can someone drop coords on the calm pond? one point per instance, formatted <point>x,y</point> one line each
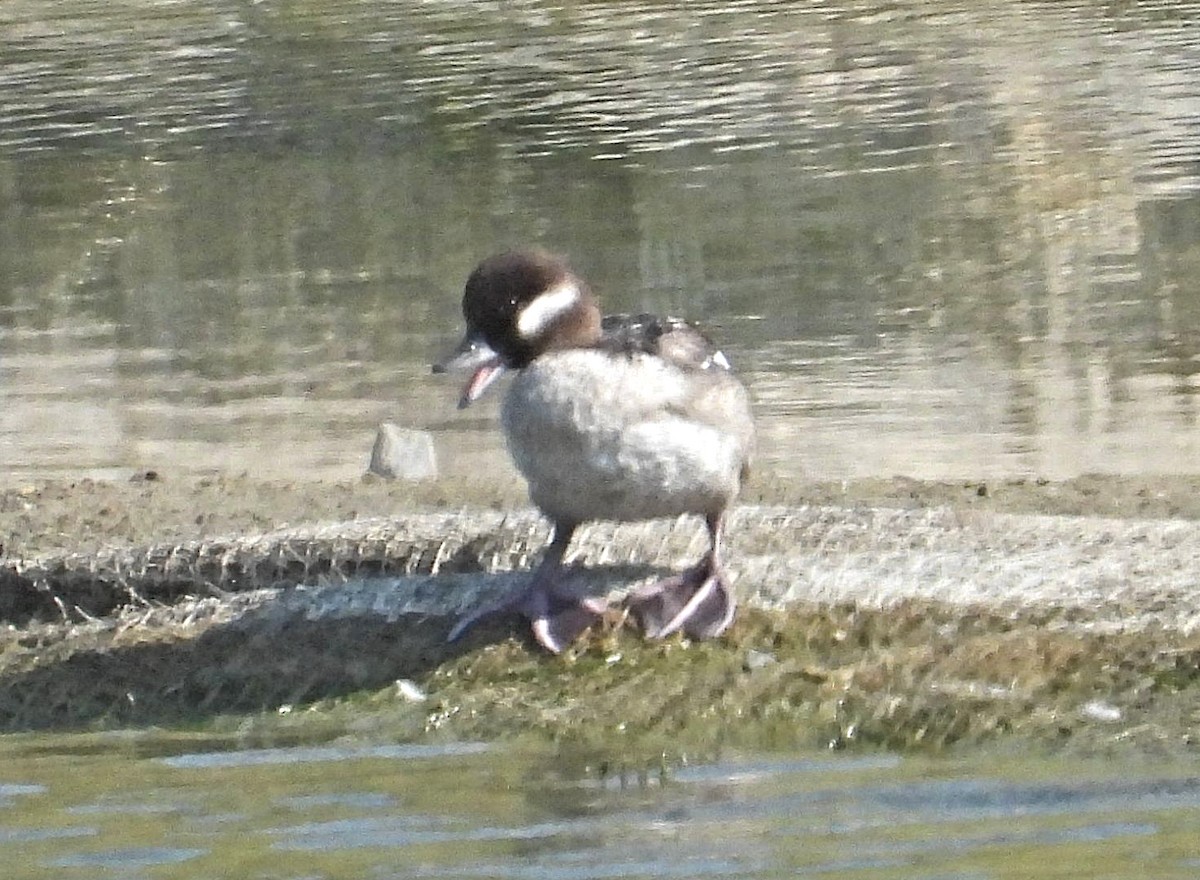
<point>944,239</point>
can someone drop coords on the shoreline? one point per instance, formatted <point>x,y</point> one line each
<point>905,615</point>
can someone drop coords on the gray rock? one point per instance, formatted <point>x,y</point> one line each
<point>400,453</point>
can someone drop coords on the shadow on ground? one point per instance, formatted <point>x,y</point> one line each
<point>260,662</point>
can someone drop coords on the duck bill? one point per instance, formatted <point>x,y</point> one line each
<point>477,356</point>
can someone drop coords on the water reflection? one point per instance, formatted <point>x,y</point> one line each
<point>941,239</point>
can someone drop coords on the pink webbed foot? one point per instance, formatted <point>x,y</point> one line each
<point>558,613</point>
<point>558,610</point>
<point>698,602</point>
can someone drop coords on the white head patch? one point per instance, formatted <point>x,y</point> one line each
<point>546,307</point>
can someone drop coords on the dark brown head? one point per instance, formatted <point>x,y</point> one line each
<point>518,305</point>
<point>524,302</point>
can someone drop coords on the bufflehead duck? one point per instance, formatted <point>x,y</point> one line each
<point>617,418</point>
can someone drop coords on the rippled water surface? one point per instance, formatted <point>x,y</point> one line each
<point>939,238</point>
<point>126,805</point>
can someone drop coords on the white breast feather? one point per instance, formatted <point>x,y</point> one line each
<point>603,437</point>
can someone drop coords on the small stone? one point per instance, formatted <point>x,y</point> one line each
<point>758,660</point>
<point>400,453</point>
<point>409,690</point>
<point>1098,710</point>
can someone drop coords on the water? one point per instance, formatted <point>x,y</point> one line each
<point>144,805</point>
<point>941,239</point>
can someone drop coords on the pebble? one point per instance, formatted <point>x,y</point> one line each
<point>409,690</point>
<point>401,453</point>
<point>1098,710</point>
<point>758,660</point>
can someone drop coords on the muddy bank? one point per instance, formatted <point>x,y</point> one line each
<point>79,516</point>
<point>889,612</point>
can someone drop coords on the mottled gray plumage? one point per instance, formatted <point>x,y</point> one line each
<point>626,437</point>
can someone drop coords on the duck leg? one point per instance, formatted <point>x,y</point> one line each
<point>558,611</point>
<point>697,601</point>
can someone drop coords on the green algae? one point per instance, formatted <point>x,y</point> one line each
<point>918,676</point>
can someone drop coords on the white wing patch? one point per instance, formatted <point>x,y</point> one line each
<point>546,307</point>
<point>717,359</point>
